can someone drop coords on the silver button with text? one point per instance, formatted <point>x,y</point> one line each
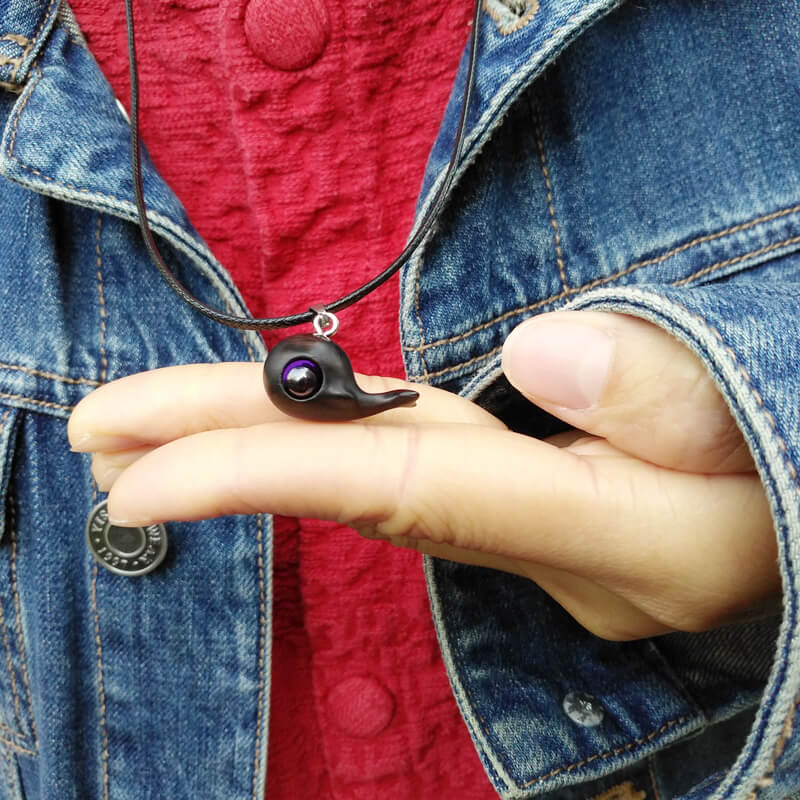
<point>126,551</point>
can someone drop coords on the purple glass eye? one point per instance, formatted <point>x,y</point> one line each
<point>301,378</point>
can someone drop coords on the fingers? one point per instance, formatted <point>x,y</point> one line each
<point>107,467</point>
<point>682,551</point>
<point>628,381</point>
<point>433,481</point>
<point>164,404</point>
<point>155,407</point>
<point>603,612</point>
<point>470,487</point>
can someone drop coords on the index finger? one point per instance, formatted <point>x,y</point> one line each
<point>152,408</point>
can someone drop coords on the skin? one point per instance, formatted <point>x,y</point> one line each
<point>649,518</point>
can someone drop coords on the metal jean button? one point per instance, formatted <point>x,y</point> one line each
<point>583,709</point>
<point>126,551</point>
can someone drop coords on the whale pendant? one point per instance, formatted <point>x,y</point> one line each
<point>310,377</point>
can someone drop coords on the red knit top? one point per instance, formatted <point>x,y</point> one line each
<point>295,132</point>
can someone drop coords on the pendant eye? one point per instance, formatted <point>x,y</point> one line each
<point>301,378</point>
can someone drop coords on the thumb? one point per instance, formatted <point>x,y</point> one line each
<point>630,382</point>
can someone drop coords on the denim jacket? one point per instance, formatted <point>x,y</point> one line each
<point>639,157</point>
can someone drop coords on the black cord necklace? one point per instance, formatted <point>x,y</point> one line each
<point>306,375</point>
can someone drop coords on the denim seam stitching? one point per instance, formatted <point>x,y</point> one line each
<point>12,143</point>
<point>26,46</point>
<point>766,780</point>
<point>704,271</point>
<point>553,221</point>
<point>45,403</point>
<point>486,119</point>
<point>463,364</point>
<point>738,228</point>
<point>102,299</point>
<point>756,394</point>
<point>611,753</point>
<point>63,184</point>
<point>631,746</point>
<point>262,632</point>
<point>18,748</point>
<point>421,325</point>
<point>42,23</point>
<point>49,375</point>
<point>101,693</point>
<point>9,732</point>
<point>742,371</point>
<point>500,755</point>
<point>6,61</point>
<point>730,261</point>
<point>33,42</point>
<point>20,637</point>
<point>10,666</point>
<point>493,761</point>
<point>19,61</point>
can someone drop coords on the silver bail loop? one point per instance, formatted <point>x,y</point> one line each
<point>325,323</point>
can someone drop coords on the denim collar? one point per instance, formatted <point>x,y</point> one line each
<point>24,27</point>
<point>63,92</point>
<point>49,143</point>
<point>510,56</point>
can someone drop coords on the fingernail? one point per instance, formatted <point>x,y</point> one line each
<point>124,517</point>
<point>84,443</point>
<point>559,362</point>
<point>105,479</point>
<point>98,442</point>
<point>123,523</point>
<point>125,520</point>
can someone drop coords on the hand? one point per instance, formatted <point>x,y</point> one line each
<point>652,521</point>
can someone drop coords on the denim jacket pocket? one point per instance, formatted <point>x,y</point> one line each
<point>727,251</point>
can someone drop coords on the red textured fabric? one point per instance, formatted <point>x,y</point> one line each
<point>299,160</point>
<point>287,34</point>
